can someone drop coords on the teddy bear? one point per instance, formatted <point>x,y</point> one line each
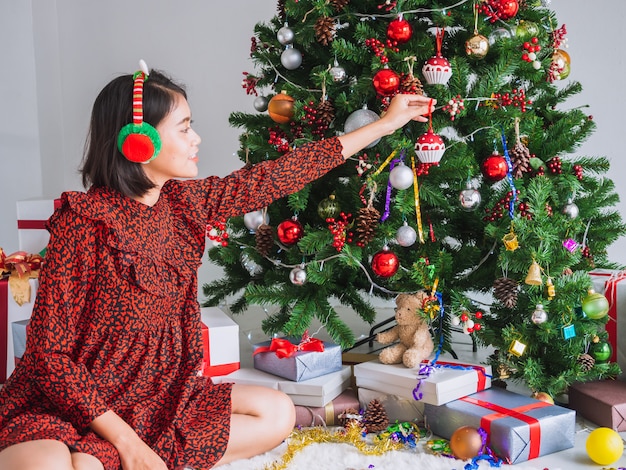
<point>412,331</point>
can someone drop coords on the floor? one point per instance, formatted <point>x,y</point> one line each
<point>571,459</point>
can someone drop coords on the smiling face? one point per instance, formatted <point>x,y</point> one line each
<point>178,157</point>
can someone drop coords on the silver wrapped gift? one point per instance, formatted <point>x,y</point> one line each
<point>519,428</point>
<point>299,364</point>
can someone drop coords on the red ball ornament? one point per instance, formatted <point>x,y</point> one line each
<point>386,82</point>
<point>399,30</point>
<point>494,167</point>
<point>507,9</point>
<point>290,231</point>
<point>385,263</point>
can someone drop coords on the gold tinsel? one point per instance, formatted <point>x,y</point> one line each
<point>300,438</point>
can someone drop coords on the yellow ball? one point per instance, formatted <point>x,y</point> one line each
<point>604,446</point>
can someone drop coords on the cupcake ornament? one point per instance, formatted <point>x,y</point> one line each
<point>437,69</point>
<point>430,147</point>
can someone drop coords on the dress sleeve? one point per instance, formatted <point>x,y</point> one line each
<point>254,187</point>
<point>65,281</point>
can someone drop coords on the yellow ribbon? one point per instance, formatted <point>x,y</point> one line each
<point>418,211</point>
<point>385,163</point>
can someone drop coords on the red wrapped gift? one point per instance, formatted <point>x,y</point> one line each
<point>327,415</point>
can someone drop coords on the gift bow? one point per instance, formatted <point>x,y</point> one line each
<point>19,267</point>
<point>285,348</point>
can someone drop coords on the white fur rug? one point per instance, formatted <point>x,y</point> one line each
<point>347,457</point>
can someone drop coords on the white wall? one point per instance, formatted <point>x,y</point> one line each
<point>57,55</point>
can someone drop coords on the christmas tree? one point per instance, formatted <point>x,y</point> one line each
<point>487,208</point>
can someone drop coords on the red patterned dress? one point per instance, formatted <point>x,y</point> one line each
<point>116,323</point>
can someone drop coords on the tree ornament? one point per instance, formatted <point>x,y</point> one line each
<point>291,58</point>
<point>366,224</point>
<point>477,46</point>
<point>375,417</point>
<point>264,238</point>
<point>437,69</point>
<point>571,210</point>
<point>539,315</point>
<point>401,176</point>
<point>297,275</point>
<point>253,219</point>
<point>260,103</point>
<point>406,235</point>
<point>359,118</point>
<point>250,265</point>
<point>569,331</point>
<point>385,263</point>
<point>339,5</point>
<point>325,30</point>
<point>217,233</point>
<point>386,82</point>
<point>469,198</point>
<point>517,348</point>
<point>601,350</point>
<point>281,108</point>
<point>508,9</point>
<point>290,231</point>
<point>466,443</point>
<point>430,147</point>
<point>604,446</point>
<point>595,305</point>
<point>533,278</point>
<point>519,154</point>
<point>285,35</point>
<point>561,62</point>
<point>399,31</point>
<point>499,34</point>
<point>526,29</point>
<point>328,208</point>
<point>338,73</point>
<point>494,167</point>
<point>550,289</point>
<point>586,362</point>
<point>506,290</point>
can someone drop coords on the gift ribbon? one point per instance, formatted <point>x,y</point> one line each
<point>4,326</point>
<point>20,263</point>
<point>610,292</point>
<point>285,348</point>
<point>517,413</point>
<point>416,195</point>
<point>427,369</point>
<point>392,165</point>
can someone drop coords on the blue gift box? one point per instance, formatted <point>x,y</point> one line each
<point>300,364</point>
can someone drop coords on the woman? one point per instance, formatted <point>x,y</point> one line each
<point>109,378</point>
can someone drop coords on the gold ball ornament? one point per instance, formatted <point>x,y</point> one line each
<point>563,62</point>
<point>604,446</point>
<point>466,442</point>
<point>477,46</point>
<point>281,108</point>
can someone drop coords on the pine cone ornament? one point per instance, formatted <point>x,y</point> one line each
<point>520,160</point>
<point>409,83</point>
<point>375,417</point>
<point>280,8</point>
<point>366,224</point>
<point>324,30</point>
<point>325,112</point>
<point>505,290</point>
<point>586,362</point>
<point>339,5</point>
<point>349,416</point>
<point>264,237</point>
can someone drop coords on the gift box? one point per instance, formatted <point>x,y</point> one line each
<point>436,384</point>
<point>297,360</point>
<point>19,330</point>
<point>397,408</point>
<point>317,391</point>
<point>327,415</point>
<point>519,428</point>
<point>611,283</point>
<point>10,312</point>
<point>32,216</point>
<point>602,402</point>
<point>220,342</point>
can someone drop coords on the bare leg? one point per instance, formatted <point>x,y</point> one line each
<point>262,418</point>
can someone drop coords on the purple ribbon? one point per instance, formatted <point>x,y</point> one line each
<point>388,195</point>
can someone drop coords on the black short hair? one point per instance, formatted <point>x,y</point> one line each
<point>103,164</point>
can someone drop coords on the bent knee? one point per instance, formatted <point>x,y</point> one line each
<point>44,454</point>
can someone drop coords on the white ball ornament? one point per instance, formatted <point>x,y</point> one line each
<point>536,65</point>
<point>406,235</point>
<point>401,177</point>
<point>291,58</point>
<point>285,35</point>
<point>252,220</point>
<point>456,321</point>
<point>360,118</point>
<point>297,276</point>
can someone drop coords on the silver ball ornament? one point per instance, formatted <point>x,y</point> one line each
<point>338,73</point>
<point>291,58</point>
<point>297,276</point>
<point>360,118</point>
<point>470,198</point>
<point>539,316</point>
<point>499,34</point>
<point>285,35</point>
<point>250,265</point>
<point>571,209</point>
<point>401,177</point>
<point>406,235</point>
<point>260,103</point>
<point>252,220</point>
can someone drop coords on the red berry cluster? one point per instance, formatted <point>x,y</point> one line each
<point>318,126</point>
<point>555,165</point>
<point>558,37</point>
<point>253,45</point>
<point>422,169</point>
<point>516,98</point>
<point>578,171</point>
<point>378,48</point>
<point>500,208</point>
<point>249,84</point>
<point>549,210</point>
<point>217,232</point>
<point>524,210</point>
<point>554,72</point>
<point>454,107</point>
<point>388,5</point>
<point>476,326</point>
<point>338,227</point>
<point>279,139</point>
<point>531,47</point>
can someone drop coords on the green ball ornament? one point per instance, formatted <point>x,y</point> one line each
<point>601,351</point>
<point>595,305</point>
<point>328,208</point>
<point>526,29</point>
<point>604,446</point>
